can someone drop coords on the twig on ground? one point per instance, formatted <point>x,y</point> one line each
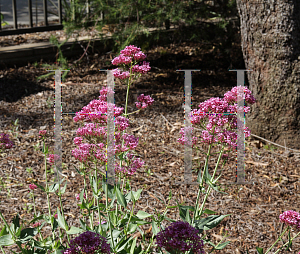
<point>273,143</point>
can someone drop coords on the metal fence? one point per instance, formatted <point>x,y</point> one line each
<point>47,26</point>
<point>34,29</point>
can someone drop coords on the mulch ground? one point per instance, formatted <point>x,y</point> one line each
<point>254,208</point>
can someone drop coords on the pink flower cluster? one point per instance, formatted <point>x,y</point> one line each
<point>218,113</point>
<point>42,133</point>
<point>84,196</point>
<point>290,218</point>
<point>32,186</point>
<point>95,131</point>
<point>52,157</point>
<point>131,168</point>
<point>144,68</point>
<point>36,224</point>
<point>232,96</point>
<point>5,143</point>
<point>102,222</point>
<point>55,216</point>
<point>126,58</point>
<point>121,74</point>
<point>145,100</point>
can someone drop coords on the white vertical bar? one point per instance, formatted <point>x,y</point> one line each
<point>110,173</point>
<point>58,124</point>
<point>188,153</point>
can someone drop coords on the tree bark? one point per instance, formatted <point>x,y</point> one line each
<point>270,36</point>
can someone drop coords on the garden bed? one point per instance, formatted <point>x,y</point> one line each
<point>254,208</point>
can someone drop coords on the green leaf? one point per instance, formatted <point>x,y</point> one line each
<point>260,250</point>
<point>6,240</point>
<point>61,221</point>
<point>120,198</point>
<point>132,228</point>
<point>83,225</point>
<point>27,234</point>
<point>213,186</point>
<point>81,197</point>
<point>110,189</point>
<point>74,230</point>
<point>62,191</point>
<point>95,186</point>
<point>143,215</point>
<point>137,194</point>
<point>155,228</point>
<point>133,246</point>
<point>209,222</point>
<point>53,187</point>
<point>184,212</point>
<point>16,223</point>
<point>41,187</point>
<point>222,245</point>
<point>207,211</point>
<point>81,173</point>
<point>4,231</point>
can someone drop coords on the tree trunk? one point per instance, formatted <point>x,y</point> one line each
<point>270,39</point>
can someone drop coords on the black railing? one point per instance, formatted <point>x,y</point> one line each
<point>32,29</point>
<point>46,27</point>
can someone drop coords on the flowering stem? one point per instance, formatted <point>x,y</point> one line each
<point>98,204</point>
<point>109,222</point>
<point>49,209</point>
<point>85,198</point>
<point>279,239</point>
<point>131,213</point>
<point>217,163</point>
<point>209,187</point>
<point>201,183</point>
<point>62,210</point>
<point>36,216</point>
<point>126,102</point>
<point>150,244</point>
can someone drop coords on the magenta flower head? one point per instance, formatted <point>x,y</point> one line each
<point>55,216</point>
<point>77,197</point>
<point>32,186</point>
<point>36,224</point>
<point>290,218</point>
<point>52,157</point>
<point>174,238</point>
<point>131,55</point>
<point>144,101</point>
<point>232,96</point>
<point>5,143</point>
<point>88,242</point>
<point>42,133</point>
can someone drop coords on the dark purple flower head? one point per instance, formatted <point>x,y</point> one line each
<point>88,243</point>
<point>179,237</point>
